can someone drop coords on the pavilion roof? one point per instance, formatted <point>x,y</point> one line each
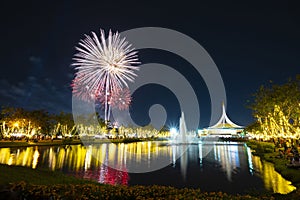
<point>224,121</point>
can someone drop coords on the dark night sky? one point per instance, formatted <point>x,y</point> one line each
<point>251,43</point>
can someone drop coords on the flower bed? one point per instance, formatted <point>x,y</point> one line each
<point>93,191</point>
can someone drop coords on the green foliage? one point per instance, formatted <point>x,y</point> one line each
<point>11,174</point>
<point>277,109</point>
<point>64,119</point>
<point>261,147</point>
<point>40,120</point>
<point>27,120</point>
<point>255,126</point>
<point>93,191</point>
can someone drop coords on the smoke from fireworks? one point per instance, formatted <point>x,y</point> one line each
<point>103,66</point>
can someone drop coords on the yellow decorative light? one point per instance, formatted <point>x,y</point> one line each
<point>16,124</point>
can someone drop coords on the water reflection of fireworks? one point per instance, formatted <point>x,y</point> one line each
<point>105,175</point>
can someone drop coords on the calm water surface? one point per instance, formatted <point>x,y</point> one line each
<point>218,166</point>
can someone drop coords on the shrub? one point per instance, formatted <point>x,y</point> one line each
<point>96,191</point>
<point>67,141</point>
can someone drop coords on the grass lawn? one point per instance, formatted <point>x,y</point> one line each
<point>10,174</point>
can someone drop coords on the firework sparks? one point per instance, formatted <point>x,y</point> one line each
<point>81,91</point>
<point>121,99</point>
<point>104,65</point>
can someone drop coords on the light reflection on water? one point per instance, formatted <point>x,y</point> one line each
<point>273,181</point>
<point>86,161</point>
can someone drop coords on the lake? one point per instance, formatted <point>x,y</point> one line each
<point>213,166</point>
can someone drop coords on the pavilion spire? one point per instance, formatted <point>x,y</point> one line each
<point>224,121</point>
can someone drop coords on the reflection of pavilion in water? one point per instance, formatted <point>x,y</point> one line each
<point>232,159</point>
<point>227,156</point>
<point>229,159</point>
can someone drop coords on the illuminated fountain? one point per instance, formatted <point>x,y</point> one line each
<point>182,136</point>
<point>182,129</point>
<point>183,139</point>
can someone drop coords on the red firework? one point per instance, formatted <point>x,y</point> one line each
<point>100,97</point>
<point>120,98</point>
<point>84,92</point>
<point>81,91</point>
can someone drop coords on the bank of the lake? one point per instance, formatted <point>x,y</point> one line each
<point>268,152</point>
<point>23,143</point>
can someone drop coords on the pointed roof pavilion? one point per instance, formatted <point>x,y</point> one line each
<point>224,122</point>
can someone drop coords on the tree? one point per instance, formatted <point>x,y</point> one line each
<point>41,121</point>
<point>64,124</point>
<point>277,109</point>
<point>19,120</point>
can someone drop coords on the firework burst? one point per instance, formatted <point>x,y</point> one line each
<point>120,99</point>
<point>81,91</point>
<point>103,65</point>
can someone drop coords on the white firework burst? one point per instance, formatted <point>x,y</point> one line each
<point>105,64</point>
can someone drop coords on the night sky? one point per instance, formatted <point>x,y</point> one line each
<point>251,43</point>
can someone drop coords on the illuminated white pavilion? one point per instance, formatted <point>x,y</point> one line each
<point>224,127</point>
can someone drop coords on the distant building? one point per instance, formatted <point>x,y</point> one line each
<point>224,127</point>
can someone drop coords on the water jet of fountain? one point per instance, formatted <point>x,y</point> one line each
<point>182,129</point>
